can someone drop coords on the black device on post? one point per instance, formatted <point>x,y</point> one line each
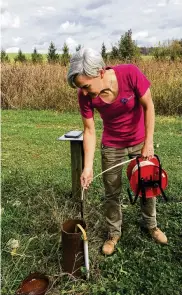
<point>73,134</point>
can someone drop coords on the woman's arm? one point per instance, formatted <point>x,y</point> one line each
<point>149,116</point>
<point>89,142</point>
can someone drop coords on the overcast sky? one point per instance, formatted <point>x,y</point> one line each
<point>27,24</point>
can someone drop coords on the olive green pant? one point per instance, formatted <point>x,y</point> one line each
<point>113,184</point>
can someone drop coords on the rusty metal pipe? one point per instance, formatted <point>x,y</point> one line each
<point>72,247</point>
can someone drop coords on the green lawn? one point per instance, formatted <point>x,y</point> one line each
<point>28,56</point>
<point>36,186</point>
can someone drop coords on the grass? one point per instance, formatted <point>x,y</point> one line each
<point>36,187</point>
<point>28,56</point>
<point>41,87</point>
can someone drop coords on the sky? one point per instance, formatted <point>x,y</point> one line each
<point>26,24</point>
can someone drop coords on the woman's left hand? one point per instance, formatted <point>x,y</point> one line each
<point>147,151</point>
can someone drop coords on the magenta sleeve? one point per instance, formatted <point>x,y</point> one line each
<point>138,81</point>
<point>85,104</point>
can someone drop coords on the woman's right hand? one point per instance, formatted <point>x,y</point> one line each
<point>86,177</point>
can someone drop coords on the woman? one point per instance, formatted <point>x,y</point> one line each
<point>122,96</point>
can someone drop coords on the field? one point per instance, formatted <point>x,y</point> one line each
<point>28,56</point>
<point>45,86</point>
<point>36,187</point>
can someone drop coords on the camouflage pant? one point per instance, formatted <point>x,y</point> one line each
<point>112,183</point>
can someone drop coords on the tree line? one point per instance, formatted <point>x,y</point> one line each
<point>125,49</point>
<point>52,56</point>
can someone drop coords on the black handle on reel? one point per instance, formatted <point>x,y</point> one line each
<point>132,200</point>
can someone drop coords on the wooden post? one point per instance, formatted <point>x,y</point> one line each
<point>77,163</point>
<point>76,167</point>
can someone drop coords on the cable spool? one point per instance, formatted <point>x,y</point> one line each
<point>146,177</point>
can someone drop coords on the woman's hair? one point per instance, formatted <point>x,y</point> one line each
<point>87,62</point>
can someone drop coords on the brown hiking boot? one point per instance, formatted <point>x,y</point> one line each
<point>158,235</point>
<point>109,245</point>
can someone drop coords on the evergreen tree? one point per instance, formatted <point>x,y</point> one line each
<point>52,56</point>
<point>103,51</point>
<point>78,47</point>
<point>127,47</point>
<point>65,55</point>
<point>20,57</point>
<point>4,56</point>
<point>114,52</point>
<point>36,57</point>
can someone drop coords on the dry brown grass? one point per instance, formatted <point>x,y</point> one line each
<point>45,86</point>
<point>166,79</point>
<point>36,87</point>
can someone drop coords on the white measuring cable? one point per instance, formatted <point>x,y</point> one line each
<point>86,254</point>
<point>120,164</point>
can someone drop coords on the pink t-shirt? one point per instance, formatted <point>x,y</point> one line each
<point>123,119</point>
